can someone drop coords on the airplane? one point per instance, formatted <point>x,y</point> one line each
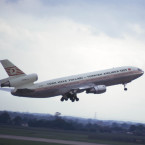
<point>21,84</point>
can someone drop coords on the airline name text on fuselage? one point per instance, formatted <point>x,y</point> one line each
<point>88,76</point>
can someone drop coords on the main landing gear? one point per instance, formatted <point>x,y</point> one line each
<point>72,97</point>
<point>125,89</point>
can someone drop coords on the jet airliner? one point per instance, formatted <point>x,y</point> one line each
<point>21,84</point>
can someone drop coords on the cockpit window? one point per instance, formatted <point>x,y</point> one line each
<point>139,69</point>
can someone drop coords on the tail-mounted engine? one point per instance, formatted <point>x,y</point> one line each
<point>97,89</point>
<point>20,81</point>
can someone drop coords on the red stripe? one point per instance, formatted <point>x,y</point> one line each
<point>10,67</point>
<point>14,74</point>
<point>17,71</point>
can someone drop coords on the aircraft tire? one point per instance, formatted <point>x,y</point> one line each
<point>72,99</point>
<point>125,89</point>
<point>65,99</point>
<point>62,99</point>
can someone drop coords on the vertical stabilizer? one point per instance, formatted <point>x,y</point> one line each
<point>11,69</point>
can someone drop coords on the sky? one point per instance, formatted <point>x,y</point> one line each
<point>67,37</point>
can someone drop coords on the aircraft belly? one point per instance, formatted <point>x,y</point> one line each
<point>46,93</point>
<point>49,92</point>
<point>43,93</point>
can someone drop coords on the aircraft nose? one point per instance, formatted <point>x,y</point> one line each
<point>141,71</point>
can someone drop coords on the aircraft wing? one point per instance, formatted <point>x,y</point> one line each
<point>86,87</point>
<point>81,89</point>
<point>90,88</point>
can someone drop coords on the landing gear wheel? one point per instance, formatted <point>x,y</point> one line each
<point>72,100</point>
<point>125,89</point>
<point>65,99</point>
<point>62,99</point>
<point>70,95</point>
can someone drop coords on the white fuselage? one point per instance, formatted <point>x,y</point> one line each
<point>61,86</point>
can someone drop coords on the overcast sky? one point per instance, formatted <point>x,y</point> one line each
<point>66,37</point>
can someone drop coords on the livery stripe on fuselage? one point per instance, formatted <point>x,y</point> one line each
<point>97,80</point>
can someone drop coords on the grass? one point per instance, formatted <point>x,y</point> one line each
<point>54,134</point>
<point>22,142</point>
<point>43,133</point>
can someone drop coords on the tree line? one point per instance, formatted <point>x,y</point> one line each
<point>68,124</point>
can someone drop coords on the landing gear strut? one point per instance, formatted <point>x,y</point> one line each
<point>74,98</point>
<point>125,89</point>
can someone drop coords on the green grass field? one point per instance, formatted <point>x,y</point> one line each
<point>50,134</point>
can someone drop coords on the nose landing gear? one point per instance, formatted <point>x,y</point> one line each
<point>125,89</point>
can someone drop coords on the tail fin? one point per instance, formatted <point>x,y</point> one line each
<point>11,69</point>
<point>17,78</point>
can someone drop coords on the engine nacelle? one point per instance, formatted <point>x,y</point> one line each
<point>20,81</point>
<point>97,89</point>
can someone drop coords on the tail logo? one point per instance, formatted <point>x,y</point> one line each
<point>12,71</point>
